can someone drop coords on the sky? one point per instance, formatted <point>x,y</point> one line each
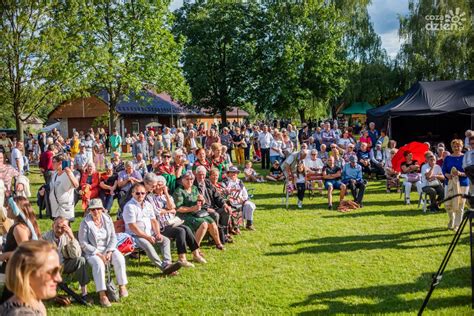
<point>384,16</point>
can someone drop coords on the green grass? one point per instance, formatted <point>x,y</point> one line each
<point>376,260</point>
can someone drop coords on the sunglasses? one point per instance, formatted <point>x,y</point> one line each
<point>55,271</point>
<point>166,156</point>
<point>140,193</point>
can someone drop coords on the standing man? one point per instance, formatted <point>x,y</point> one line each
<point>62,185</point>
<point>140,147</point>
<point>265,138</point>
<point>373,133</point>
<point>115,142</point>
<point>226,140</point>
<point>46,163</point>
<point>17,160</point>
<point>5,145</point>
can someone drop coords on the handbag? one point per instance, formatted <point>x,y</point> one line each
<point>433,183</point>
<point>111,288</point>
<point>175,222</point>
<point>201,213</point>
<point>243,145</point>
<point>413,177</point>
<point>126,246</point>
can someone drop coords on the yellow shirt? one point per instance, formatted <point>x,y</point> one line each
<point>75,147</point>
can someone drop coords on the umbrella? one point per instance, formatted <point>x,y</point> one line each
<point>418,150</point>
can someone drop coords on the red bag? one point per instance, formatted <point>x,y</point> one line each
<point>126,246</point>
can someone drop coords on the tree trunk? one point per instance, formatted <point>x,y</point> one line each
<point>223,118</point>
<point>301,112</point>
<point>111,118</point>
<point>18,121</point>
<point>112,104</point>
<point>19,128</point>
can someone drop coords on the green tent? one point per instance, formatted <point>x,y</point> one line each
<point>357,108</point>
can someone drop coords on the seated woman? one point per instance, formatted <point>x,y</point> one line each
<point>348,153</point>
<point>117,163</point>
<point>18,233</point>
<point>365,139</point>
<point>217,160</point>
<point>108,185</point>
<point>171,226</point>
<point>392,176</point>
<point>411,173</point>
<point>201,160</point>
<point>32,275</point>
<point>314,170</point>
<point>167,170</point>
<point>89,184</point>
<point>239,196</point>
<point>336,153</point>
<point>226,157</point>
<point>276,173</point>
<point>214,180</point>
<point>189,206</point>
<point>99,246</point>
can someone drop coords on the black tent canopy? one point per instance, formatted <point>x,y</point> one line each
<point>428,111</point>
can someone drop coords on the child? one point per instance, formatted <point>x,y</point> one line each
<point>300,182</point>
<point>276,174</point>
<point>250,173</point>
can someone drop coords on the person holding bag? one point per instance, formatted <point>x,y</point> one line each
<point>172,226</point>
<point>99,245</point>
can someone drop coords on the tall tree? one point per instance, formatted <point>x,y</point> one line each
<point>301,56</point>
<point>371,73</point>
<point>133,48</point>
<point>38,55</point>
<point>438,40</point>
<point>217,58</point>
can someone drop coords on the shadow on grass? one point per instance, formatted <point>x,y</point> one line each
<point>389,298</point>
<point>363,242</point>
<point>397,213</point>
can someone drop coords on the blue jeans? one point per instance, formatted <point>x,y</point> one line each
<point>107,200</point>
<point>274,158</point>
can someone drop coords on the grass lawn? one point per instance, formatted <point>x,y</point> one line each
<point>376,260</point>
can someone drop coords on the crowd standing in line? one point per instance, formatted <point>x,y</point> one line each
<point>182,184</point>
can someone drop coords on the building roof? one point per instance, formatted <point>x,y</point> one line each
<point>148,102</point>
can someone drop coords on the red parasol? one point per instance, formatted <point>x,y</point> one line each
<point>418,150</point>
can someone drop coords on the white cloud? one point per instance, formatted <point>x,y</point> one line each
<point>384,16</point>
<point>176,4</point>
<point>391,42</point>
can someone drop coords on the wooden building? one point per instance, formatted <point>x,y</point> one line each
<point>135,113</point>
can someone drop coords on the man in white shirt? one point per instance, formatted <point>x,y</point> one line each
<point>62,185</point>
<point>431,179</point>
<point>141,223</point>
<point>17,157</point>
<point>264,140</point>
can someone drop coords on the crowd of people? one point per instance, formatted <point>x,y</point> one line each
<point>181,185</point>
